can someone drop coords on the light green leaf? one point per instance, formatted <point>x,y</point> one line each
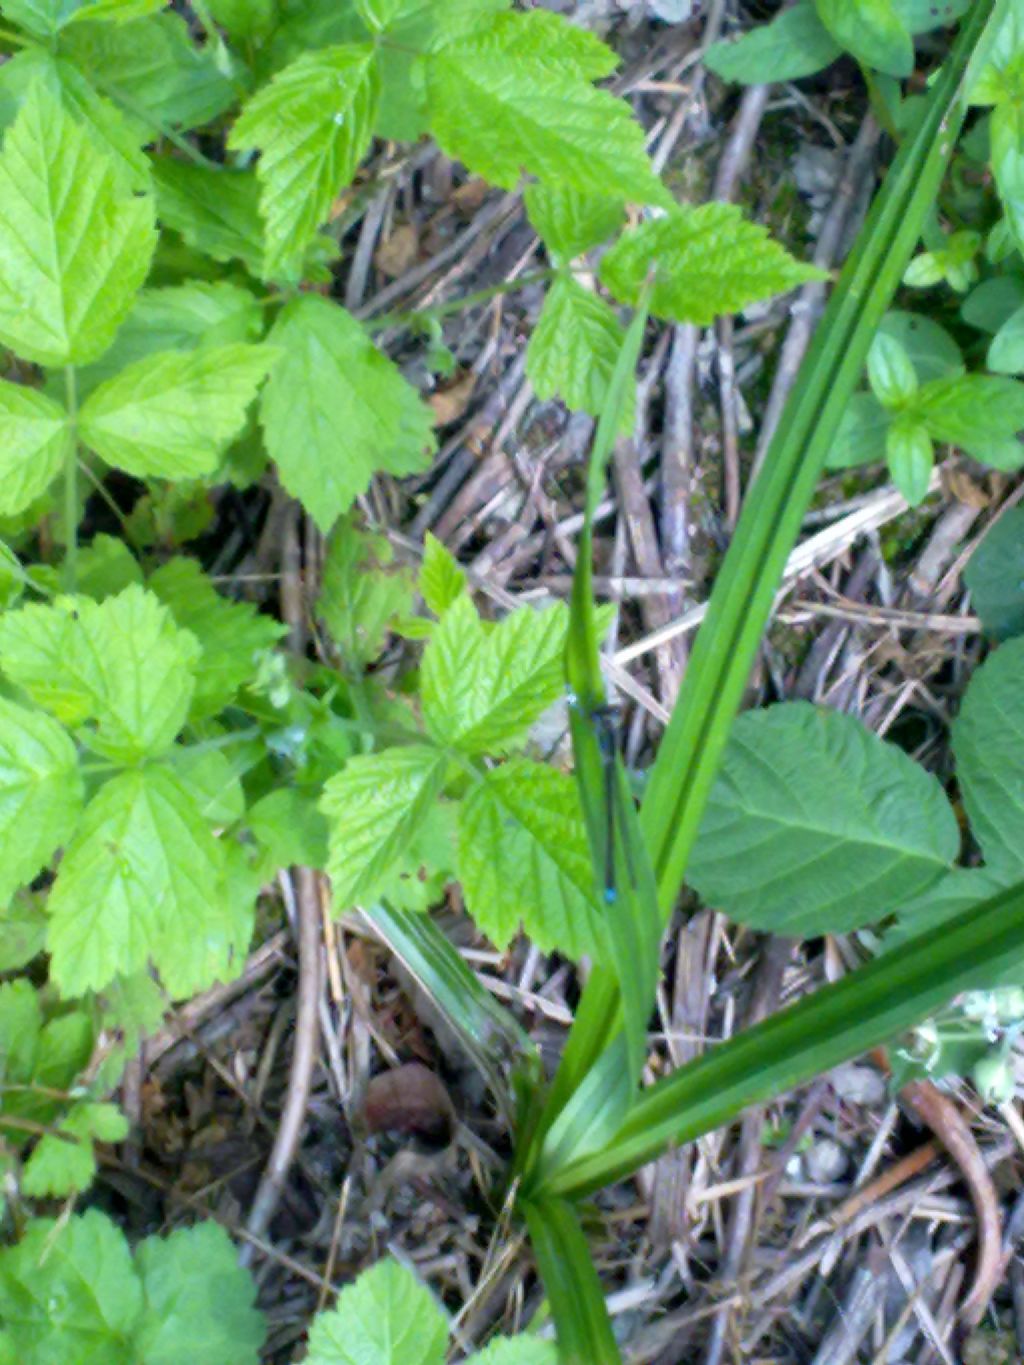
<point>335,410</point>
<point>515,99</point>
<point>483,688</point>
<point>988,744</point>
<point>65,1046</point>
<point>40,794</point>
<point>995,576</point>
<point>523,860</point>
<point>980,413</point>
<point>570,223</point>
<point>290,827</point>
<point>363,592</point>
<point>862,433</point>
<point>152,70</point>
<point>20,1021</point>
<point>386,1318</point>
<point>100,118</point>
<point>35,440</point>
<point>1006,353</point>
<point>707,261</point>
<point>574,347</point>
<point>69,1293</point>
<point>141,881</point>
<point>75,243</point>
<point>106,567</point>
<point>522,1350</point>
<point>540,35</point>
<point>173,414</point>
<point>311,125</point>
<point>199,1302</point>
<point>244,20</point>
<point>44,18</point>
<point>908,448</point>
<point>115,11</point>
<point>213,782</point>
<point>816,826</point>
<point>35,654</point>
<point>872,31</point>
<point>64,1162</point>
<point>374,807</point>
<point>796,43</point>
<point>441,581</point>
<point>891,372</point>
<point>217,212</point>
<point>232,635</point>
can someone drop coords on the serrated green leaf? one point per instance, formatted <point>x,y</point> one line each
<point>22,932</point>
<point>363,593</point>
<point>142,880</point>
<point>482,689</point>
<point>213,782</point>
<point>64,1162</point>
<point>374,807</point>
<point>217,212</point>
<point>35,439</point>
<point>515,99</point>
<point>75,243</point>
<point>707,261</point>
<point>40,794</point>
<point>796,43</point>
<point>106,567</point>
<point>980,413</point>
<point>523,860</point>
<point>232,635</point>
<point>35,651</point>
<point>426,864</point>
<point>335,410</point>
<point>872,31</point>
<point>816,826</point>
<point>69,1293</point>
<point>311,125</point>
<point>540,34</point>
<point>995,576</point>
<point>988,744</point>
<point>290,827</point>
<point>386,1317</point>
<point>908,448</point>
<point>570,223</point>
<point>20,1021</point>
<point>65,1045</point>
<point>522,1350</point>
<point>173,414</point>
<point>574,347</point>
<point>100,118</point>
<point>199,1302</point>
<point>862,433</point>
<point>152,71</point>
<point>441,581</point>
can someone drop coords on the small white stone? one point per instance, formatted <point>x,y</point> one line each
<point>826,1161</point>
<point>858,1084</point>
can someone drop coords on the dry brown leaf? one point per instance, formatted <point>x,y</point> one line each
<point>450,403</point>
<point>398,252</point>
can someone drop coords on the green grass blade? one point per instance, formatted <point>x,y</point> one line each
<point>573,1289</point>
<point>869,1006</point>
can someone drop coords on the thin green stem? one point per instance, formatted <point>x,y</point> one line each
<point>70,572</point>
<point>440,310</point>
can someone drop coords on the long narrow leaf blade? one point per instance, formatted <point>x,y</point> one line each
<point>573,1289</point>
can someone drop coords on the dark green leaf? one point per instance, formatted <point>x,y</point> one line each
<point>995,576</point>
<point>796,43</point>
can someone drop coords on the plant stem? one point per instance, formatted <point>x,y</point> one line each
<point>70,573</point>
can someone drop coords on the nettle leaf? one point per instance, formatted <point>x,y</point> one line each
<point>707,261</point>
<point>570,223</point>
<point>199,1302</point>
<point>386,1317</point>
<point>374,806</point>
<point>231,635</point>
<point>35,440</point>
<point>995,576</point>
<point>483,687</point>
<point>988,744</point>
<point>173,414</point>
<point>523,1350</point>
<point>980,413</point>
<point>40,794</point>
<point>69,1293</point>
<point>216,212</point>
<point>106,567</point>
<point>441,581</point>
<point>152,71</point>
<point>816,826</point>
<point>872,31</point>
<point>141,881</point>
<point>64,1162</point>
<point>574,348</point>
<point>311,125</point>
<point>362,593</point>
<point>75,243</point>
<point>796,43</point>
<point>524,861</point>
<point>335,410</point>
<point>517,98</point>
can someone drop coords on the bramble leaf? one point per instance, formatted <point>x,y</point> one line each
<point>231,635</point>
<point>574,347</point>
<point>35,651</point>
<point>816,826</point>
<point>988,744</point>
<point>217,212</point>
<point>441,581</point>
<point>311,125</point>
<point>199,1302</point>
<point>40,794</point>
<point>172,415</point>
<point>64,1161</point>
<point>570,223</point>
<point>386,1317</point>
<point>872,31</point>
<point>374,807</point>
<point>363,593</point>
<point>106,567</point>
<point>75,243</point>
<point>707,261</point>
<point>35,439</point>
<point>521,1350</point>
<point>335,410</point>
<point>483,688</point>
<point>796,43</point>
<point>523,860</point>
<point>290,827</point>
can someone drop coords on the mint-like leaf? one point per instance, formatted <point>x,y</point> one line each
<point>988,744</point>
<point>796,43</point>
<point>872,31</point>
